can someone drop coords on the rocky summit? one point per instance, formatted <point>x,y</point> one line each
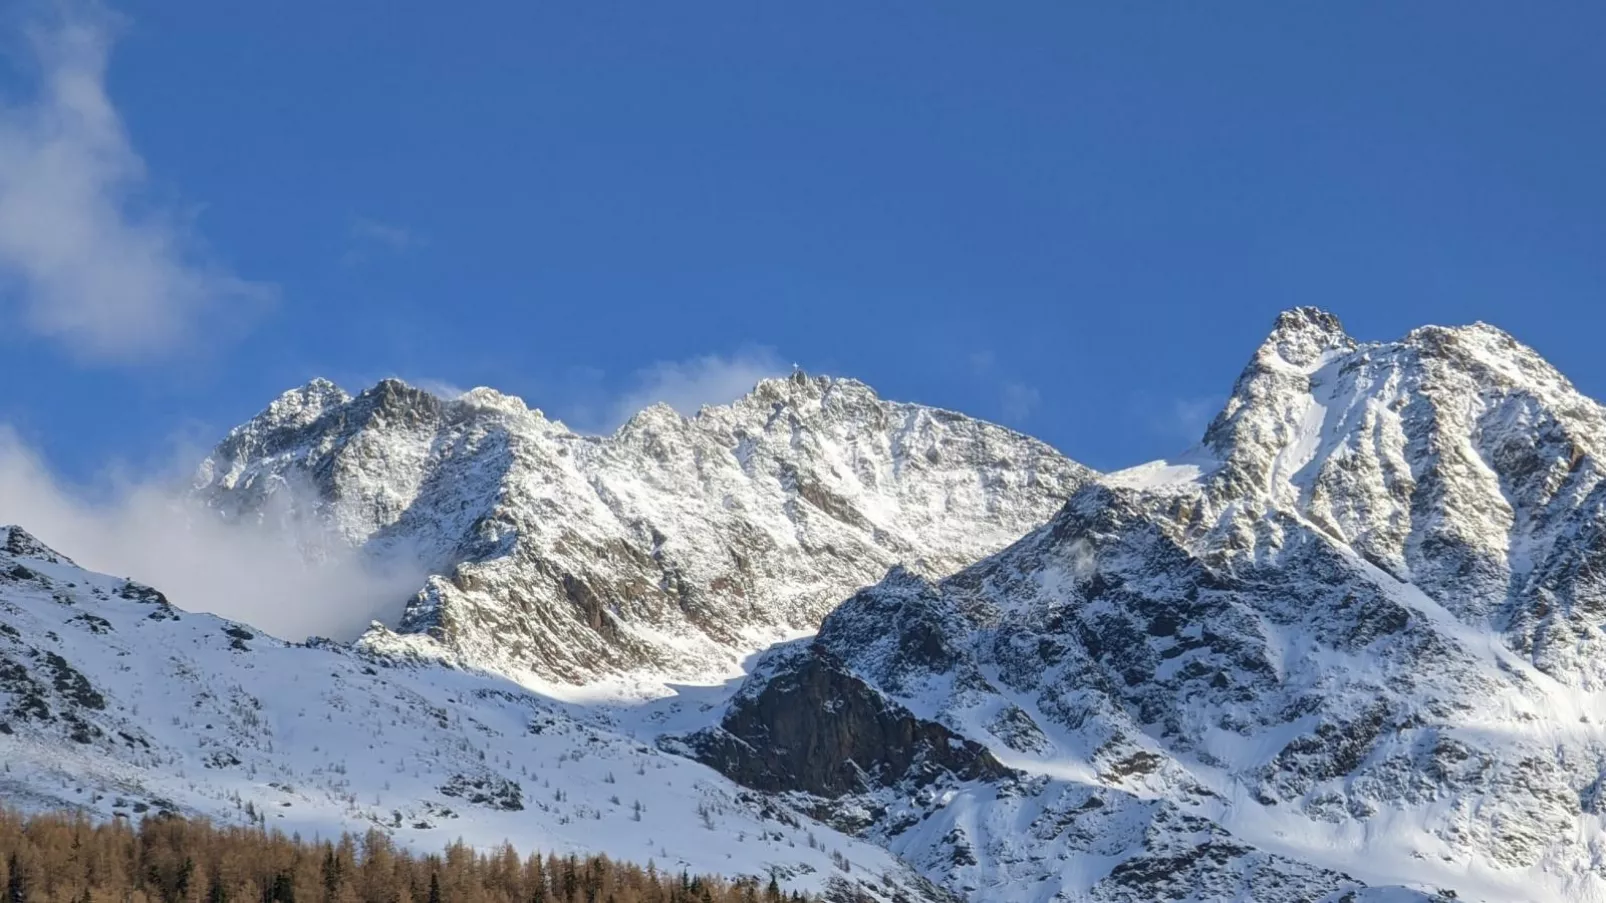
<point>1346,648</point>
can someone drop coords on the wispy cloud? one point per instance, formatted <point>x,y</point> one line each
<point>592,403</point>
<point>1177,419</point>
<point>689,384</point>
<point>1016,400</point>
<point>393,236</point>
<point>1019,401</point>
<point>440,388</point>
<point>85,259</point>
<point>368,236</point>
<point>291,582</point>
<point>1190,416</point>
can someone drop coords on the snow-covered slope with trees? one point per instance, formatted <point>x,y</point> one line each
<point>114,702</point>
<point>669,550</point>
<point>1353,637</point>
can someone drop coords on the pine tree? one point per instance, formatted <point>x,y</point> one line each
<point>16,885</point>
<point>181,885</point>
<point>283,890</point>
<point>331,874</point>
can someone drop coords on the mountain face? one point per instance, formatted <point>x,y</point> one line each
<point>1457,460</point>
<point>1346,649</point>
<point>116,703</point>
<point>667,551</point>
<point>1352,638</point>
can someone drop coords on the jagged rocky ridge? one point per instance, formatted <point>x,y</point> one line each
<point>114,702</point>
<point>670,549</point>
<point>1353,637</point>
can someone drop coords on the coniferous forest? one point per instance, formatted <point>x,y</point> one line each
<point>68,858</point>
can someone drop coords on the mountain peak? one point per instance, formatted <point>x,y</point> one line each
<point>483,397</point>
<point>318,390</point>
<point>21,543</point>
<point>1301,341</point>
<point>1484,348</point>
<point>1302,335</point>
<point>774,388</point>
<point>303,404</point>
<point>395,398</point>
<point>802,392</point>
<point>659,414</point>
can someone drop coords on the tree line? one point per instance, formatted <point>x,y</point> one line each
<point>70,858</point>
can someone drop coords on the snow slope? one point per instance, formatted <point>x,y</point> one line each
<point>114,702</point>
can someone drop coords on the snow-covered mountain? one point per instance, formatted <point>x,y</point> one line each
<point>1348,648</point>
<point>667,551</point>
<point>1354,636</point>
<point>114,702</point>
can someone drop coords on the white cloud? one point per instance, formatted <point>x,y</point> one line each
<point>689,384</point>
<point>82,260</point>
<point>1019,401</point>
<point>290,583</point>
<point>439,388</point>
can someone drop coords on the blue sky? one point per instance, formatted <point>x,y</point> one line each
<point>1078,219</point>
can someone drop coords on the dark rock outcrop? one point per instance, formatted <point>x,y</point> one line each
<point>817,728</point>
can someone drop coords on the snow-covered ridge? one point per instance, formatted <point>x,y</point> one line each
<point>667,551</point>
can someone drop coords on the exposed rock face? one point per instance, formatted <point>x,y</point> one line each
<point>19,543</point>
<point>819,729</point>
<point>671,548</point>
<point>1359,628</point>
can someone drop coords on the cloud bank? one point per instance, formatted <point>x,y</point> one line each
<point>289,583</point>
<point>83,260</point>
